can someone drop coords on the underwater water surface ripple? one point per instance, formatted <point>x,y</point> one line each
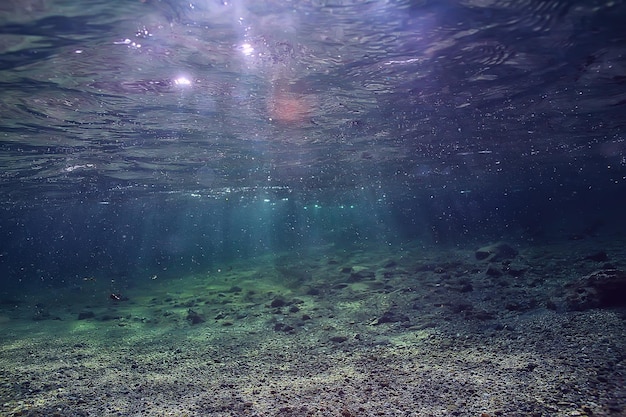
<point>105,98</point>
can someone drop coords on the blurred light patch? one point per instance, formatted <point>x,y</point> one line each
<point>247,49</point>
<point>182,81</point>
<point>129,43</point>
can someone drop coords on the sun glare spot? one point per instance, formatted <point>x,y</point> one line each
<point>182,81</point>
<point>247,49</point>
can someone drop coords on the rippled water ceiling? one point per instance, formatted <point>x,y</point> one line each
<point>104,98</point>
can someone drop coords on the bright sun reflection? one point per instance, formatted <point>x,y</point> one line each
<point>247,49</point>
<point>182,81</point>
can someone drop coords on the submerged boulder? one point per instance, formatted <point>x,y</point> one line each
<point>600,256</point>
<point>390,316</point>
<point>194,318</point>
<point>600,289</point>
<point>496,252</point>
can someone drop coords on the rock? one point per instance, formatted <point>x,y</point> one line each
<point>87,314</point>
<point>492,271</point>
<point>600,289</point>
<point>391,317</point>
<point>361,274</point>
<point>479,315</point>
<point>598,257</point>
<point>425,267</point>
<point>110,317</point>
<point>461,307</point>
<point>194,318</point>
<point>283,327</point>
<point>496,252</point>
<point>338,339</point>
<point>278,302</point>
<point>390,264</point>
<point>463,285</point>
<point>515,271</point>
<point>313,290</point>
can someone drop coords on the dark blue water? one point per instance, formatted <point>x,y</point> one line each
<point>170,137</point>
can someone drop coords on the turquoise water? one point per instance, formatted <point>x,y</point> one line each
<point>296,208</point>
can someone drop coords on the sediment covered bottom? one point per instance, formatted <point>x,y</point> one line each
<point>405,331</point>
